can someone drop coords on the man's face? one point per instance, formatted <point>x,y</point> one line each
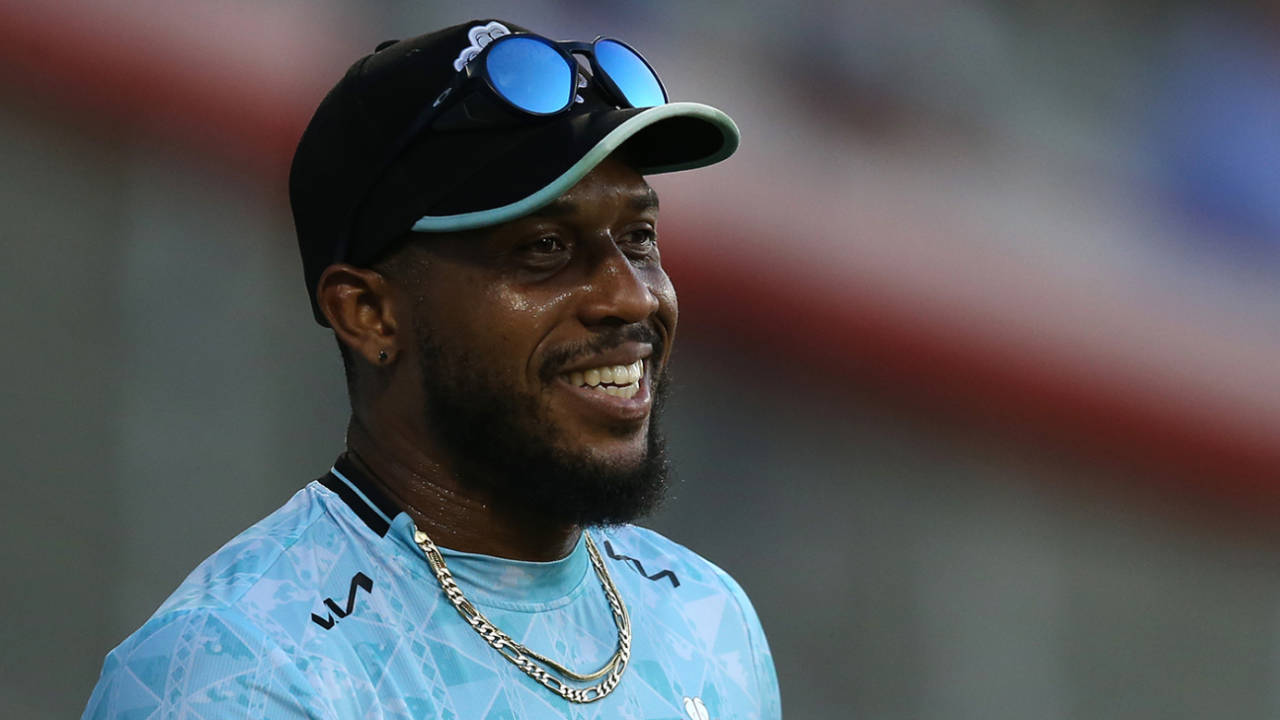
<point>543,344</point>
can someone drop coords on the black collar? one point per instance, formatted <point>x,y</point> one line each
<point>378,511</point>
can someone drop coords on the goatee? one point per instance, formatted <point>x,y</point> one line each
<point>508,449</point>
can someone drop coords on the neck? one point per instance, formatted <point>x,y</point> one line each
<point>454,515</point>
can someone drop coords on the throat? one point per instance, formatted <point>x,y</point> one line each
<point>460,519</point>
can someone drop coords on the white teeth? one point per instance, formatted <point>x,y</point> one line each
<point>622,380</point>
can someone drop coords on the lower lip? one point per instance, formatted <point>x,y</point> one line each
<point>610,407</point>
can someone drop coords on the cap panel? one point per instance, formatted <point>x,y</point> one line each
<point>648,118</point>
<point>347,140</point>
<point>324,168</point>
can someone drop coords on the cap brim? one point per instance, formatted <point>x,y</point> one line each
<point>661,144</point>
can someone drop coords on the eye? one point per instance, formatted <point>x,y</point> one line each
<point>543,252</point>
<point>639,242</point>
<point>545,245</point>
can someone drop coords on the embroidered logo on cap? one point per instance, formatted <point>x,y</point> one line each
<point>479,35</point>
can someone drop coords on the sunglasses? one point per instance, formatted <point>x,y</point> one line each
<point>539,76</point>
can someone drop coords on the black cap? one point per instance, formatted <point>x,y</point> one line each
<point>358,184</point>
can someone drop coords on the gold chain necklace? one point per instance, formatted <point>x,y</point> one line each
<point>527,660</point>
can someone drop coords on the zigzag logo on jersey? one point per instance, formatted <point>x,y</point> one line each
<point>638,567</point>
<point>360,580</point>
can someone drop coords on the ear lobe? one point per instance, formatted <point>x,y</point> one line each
<point>359,306</point>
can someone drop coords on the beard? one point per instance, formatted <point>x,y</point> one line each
<point>508,448</point>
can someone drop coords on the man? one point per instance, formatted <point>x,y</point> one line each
<point>476,229</point>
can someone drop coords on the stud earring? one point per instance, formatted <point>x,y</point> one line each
<point>382,356</point>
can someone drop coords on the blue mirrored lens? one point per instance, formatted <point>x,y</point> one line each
<point>630,73</point>
<point>530,74</point>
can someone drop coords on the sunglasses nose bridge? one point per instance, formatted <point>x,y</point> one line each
<point>583,57</point>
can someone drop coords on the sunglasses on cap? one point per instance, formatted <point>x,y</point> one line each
<point>538,77</point>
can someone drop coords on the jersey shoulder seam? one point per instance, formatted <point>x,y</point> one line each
<point>735,590</point>
<point>732,587</point>
<point>234,616</point>
<point>283,548</point>
<point>230,601</point>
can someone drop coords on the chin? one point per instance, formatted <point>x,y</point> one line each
<point>622,454</point>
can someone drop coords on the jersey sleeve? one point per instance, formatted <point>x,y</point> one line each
<point>206,663</point>
<point>770,700</point>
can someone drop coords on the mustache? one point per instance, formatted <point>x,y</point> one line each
<point>603,341</point>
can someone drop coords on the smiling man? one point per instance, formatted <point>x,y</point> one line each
<point>477,231</point>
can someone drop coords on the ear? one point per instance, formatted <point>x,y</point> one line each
<point>360,306</point>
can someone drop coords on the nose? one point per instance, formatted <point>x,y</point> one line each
<point>617,293</point>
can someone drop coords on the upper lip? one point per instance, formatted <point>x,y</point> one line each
<point>624,354</point>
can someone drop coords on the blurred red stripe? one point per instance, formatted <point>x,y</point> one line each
<point>159,70</point>
<point>197,72</point>
<point>854,338</point>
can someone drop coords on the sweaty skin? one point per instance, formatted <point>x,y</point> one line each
<point>526,303</point>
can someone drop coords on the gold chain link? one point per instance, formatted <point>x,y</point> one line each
<point>528,660</point>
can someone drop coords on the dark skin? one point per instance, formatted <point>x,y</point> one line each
<point>522,299</point>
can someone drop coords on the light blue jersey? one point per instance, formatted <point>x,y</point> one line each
<point>327,609</point>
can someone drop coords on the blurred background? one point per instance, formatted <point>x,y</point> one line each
<point>979,363</point>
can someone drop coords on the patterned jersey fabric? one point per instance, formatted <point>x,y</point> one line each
<point>327,609</point>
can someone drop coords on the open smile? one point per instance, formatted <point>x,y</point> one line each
<point>613,392</point>
<point>617,380</point>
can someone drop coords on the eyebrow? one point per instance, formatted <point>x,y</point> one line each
<point>646,200</point>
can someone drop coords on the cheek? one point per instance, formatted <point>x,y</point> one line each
<point>467,320</point>
<point>668,306</point>
<point>505,326</point>
<point>531,308</point>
